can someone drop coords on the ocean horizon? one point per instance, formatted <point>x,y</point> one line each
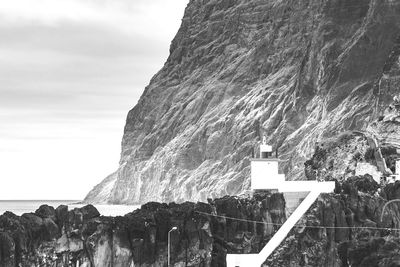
<point>19,207</point>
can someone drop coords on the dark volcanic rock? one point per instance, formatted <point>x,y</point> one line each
<point>61,215</point>
<point>46,211</point>
<point>363,183</point>
<point>344,230</point>
<point>392,191</point>
<point>7,250</point>
<point>296,71</point>
<point>89,212</point>
<point>141,236</point>
<point>338,230</point>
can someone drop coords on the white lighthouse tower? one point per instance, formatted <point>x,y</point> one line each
<point>265,176</point>
<point>264,170</point>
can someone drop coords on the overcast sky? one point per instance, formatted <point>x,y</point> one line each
<point>69,72</point>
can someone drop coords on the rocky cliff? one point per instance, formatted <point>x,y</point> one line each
<point>351,227</point>
<point>296,71</point>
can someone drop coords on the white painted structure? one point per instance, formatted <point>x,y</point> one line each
<point>264,170</point>
<point>264,175</point>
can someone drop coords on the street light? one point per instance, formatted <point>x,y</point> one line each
<point>169,246</point>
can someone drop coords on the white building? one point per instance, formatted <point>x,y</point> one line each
<point>264,170</point>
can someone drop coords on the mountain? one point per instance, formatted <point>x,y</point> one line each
<point>296,71</point>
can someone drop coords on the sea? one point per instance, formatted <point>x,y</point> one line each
<point>20,207</point>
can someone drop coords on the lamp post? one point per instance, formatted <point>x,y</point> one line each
<point>169,246</point>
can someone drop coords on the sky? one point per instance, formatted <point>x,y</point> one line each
<point>70,70</point>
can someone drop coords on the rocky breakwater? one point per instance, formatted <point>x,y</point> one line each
<point>341,229</point>
<point>43,238</point>
<point>81,237</point>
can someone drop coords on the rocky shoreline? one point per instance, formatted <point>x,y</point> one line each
<point>341,229</point>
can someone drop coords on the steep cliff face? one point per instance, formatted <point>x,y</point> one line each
<point>296,71</point>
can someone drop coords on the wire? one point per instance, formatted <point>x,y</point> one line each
<point>387,203</point>
<point>302,226</point>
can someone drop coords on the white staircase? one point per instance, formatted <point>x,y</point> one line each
<point>253,260</point>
